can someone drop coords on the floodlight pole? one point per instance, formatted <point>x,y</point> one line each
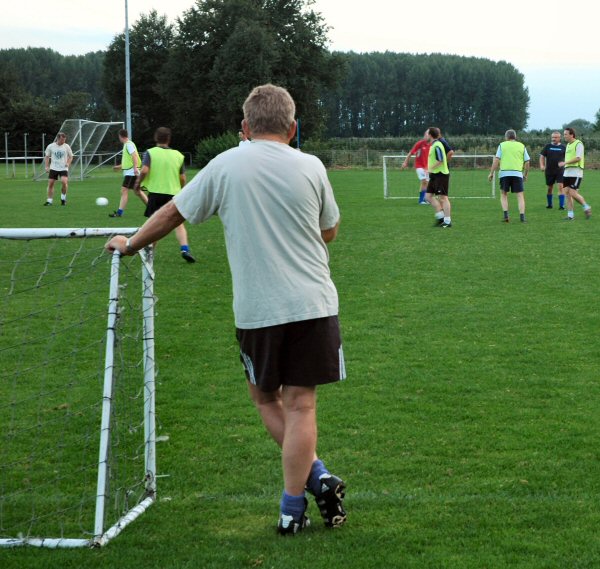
<point>6,151</point>
<point>127,76</point>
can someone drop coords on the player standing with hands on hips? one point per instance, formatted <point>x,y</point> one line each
<point>573,176</point>
<point>278,212</point>
<point>58,159</point>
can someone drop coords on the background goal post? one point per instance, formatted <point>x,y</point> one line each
<point>468,177</point>
<point>88,140</point>
<point>77,389</point>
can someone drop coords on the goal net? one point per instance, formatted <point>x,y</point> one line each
<point>468,177</point>
<point>93,145</point>
<point>77,424</point>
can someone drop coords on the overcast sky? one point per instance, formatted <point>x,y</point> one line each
<point>555,46</point>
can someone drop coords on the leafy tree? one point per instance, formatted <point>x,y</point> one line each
<point>581,126</point>
<point>223,48</point>
<point>150,40</point>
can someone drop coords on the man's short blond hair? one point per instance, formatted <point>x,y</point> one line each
<point>269,109</point>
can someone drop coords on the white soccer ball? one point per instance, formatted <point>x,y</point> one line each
<point>101,201</point>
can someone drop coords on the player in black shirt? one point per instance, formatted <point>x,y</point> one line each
<point>550,156</point>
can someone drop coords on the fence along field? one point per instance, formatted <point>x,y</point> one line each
<point>467,427</point>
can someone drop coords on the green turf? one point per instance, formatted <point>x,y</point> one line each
<point>468,425</point>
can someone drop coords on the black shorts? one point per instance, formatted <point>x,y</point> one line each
<point>555,177</point>
<point>512,184</point>
<point>305,353</point>
<point>128,182</point>
<point>438,184</point>
<point>573,183</point>
<point>156,201</point>
<point>56,174</point>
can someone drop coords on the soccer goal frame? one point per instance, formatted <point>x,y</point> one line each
<point>85,139</point>
<point>102,533</point>
<point>458,160</point>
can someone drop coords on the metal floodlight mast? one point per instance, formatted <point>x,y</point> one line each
<point>127,76</point>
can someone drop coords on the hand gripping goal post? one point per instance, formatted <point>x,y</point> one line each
<point>468,177</point>
<point>77,389</point>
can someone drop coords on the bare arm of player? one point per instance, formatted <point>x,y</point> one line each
<point>330,234</point>
<point>494,167</point>
<point>526,169</point>
<point>160,224</point>
<point>542,162</point>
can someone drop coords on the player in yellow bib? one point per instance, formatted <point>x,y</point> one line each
<point>163,175</point>
<point>439,179</point>
<point>130,164</point>
<point>573,175</point>
<point>513,160</point>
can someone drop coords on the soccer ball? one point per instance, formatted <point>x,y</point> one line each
<point>101,201</point>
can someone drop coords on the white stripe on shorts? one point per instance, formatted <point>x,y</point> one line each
<point>249,367</point>
<point>342,363</point>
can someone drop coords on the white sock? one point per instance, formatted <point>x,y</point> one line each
<point>586,207</point>
<point>570,213</point>
<point>49,200</point>
<point>447,220</point>
<point>63,197</point>
<point>439,214</point>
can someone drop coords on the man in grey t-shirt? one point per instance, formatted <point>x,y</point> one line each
<point>278,212</point>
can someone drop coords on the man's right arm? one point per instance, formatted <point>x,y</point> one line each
<point>160,224</point>
<point>329,235</point>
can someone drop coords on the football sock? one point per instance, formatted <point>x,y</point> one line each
<point>561,201</point>
<point>422,196</point>
<point>439,215</point>
<point>447,220</point>
<point>506,215</point>
<point>316,471</point>
<point>570,213</point>
<point>522,216</point>
<point>63,197</point>
<point>549,198</point>
<point>185,248</point>
<point>49,200</point>
<point>586,207</point>
<point>292,505</point>
<point>119,211</point>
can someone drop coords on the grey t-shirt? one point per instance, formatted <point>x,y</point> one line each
<point>273,202</point>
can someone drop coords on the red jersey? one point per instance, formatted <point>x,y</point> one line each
<point>421,153</point>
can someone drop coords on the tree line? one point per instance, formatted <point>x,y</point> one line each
<point>194,75</point>
<point>41,88</point>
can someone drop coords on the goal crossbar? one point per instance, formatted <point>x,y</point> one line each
<point>101,534</point>
<point>463,159</point>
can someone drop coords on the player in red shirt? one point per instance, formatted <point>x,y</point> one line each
<point>421,153</point>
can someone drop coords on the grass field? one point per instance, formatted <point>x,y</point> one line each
<point>467,429</point>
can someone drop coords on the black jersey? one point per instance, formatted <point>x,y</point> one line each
<point>554,153</point>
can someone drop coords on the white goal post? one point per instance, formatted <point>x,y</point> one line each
<point>77,387</point>
<point>468,177</point>
<point>88,140</point>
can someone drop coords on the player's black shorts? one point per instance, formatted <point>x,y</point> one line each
<point>305,353</point>
<point>56,174</point>
<point>156,201</point>
<point>574,182</point>
<point>438,184</point>
<point>128,182</point>
<point>512,184</point>
<point>554,177</point>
